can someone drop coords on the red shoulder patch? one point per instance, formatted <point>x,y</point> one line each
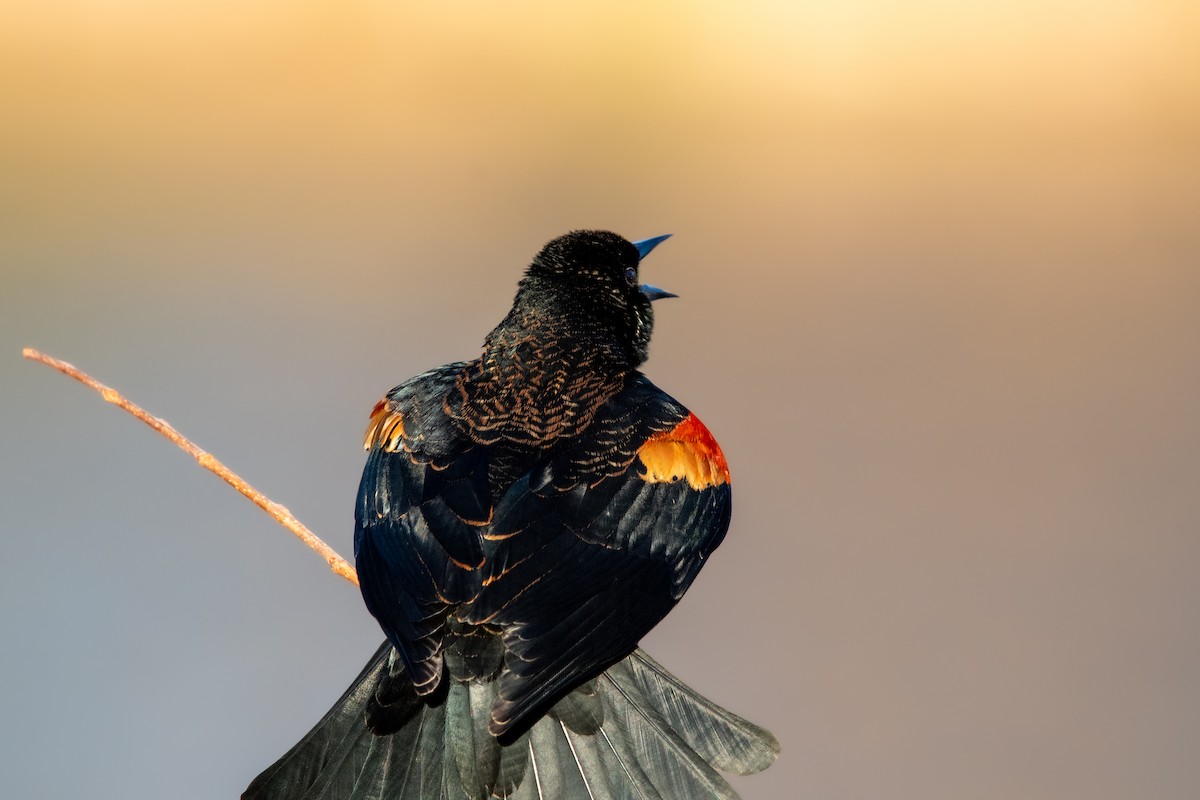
<point>386,428</point>
<point>686,451</point>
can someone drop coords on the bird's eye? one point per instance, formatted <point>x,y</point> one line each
<point>631,276</point>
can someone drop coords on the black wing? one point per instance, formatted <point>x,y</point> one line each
<point>579,568</point>
<point>422,504</point>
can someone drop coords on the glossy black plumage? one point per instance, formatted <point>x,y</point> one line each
<point>522,521</point>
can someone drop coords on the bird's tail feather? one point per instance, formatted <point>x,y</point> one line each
<point>636,732</point>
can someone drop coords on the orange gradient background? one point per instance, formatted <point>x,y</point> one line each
<point>940,276</point>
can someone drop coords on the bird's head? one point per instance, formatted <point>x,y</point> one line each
<point>595,273</point>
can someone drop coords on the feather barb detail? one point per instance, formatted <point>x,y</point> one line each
<point>385,429</point>
<point>687,451</point>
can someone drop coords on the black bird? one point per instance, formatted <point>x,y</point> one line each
<point>523,520</point>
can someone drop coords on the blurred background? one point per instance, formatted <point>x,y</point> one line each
<point>940,303</point>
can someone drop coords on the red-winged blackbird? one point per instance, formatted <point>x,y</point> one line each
<point>523,520</point>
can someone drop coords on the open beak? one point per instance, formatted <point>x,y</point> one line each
<point>644,247</point>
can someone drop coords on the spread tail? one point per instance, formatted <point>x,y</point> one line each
<point>635,732</point>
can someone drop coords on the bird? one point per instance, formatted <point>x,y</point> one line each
<point>523,520</point>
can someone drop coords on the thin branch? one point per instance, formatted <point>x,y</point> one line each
<point>208,461</point>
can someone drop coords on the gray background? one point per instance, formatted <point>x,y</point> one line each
<point>940,304</point>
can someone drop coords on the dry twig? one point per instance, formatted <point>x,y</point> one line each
<point>208,461</point>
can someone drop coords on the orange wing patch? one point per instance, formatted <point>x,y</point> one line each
<point>686,451</point>
<point>386,428</point>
